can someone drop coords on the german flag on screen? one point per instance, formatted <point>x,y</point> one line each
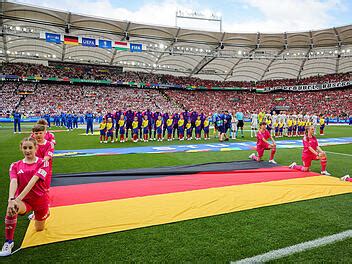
<point>89,205</point>
<point>71,40</point>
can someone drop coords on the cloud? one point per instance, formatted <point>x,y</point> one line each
<point>272,15</point>
<point>286,15</point>
<point>157,13</point>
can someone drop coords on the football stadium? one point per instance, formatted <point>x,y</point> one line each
<point>128,142</point>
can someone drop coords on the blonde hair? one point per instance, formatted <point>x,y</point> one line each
<point>28,139</point>
<point>306,129</point>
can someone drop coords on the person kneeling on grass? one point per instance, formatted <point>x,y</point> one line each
<point>311,151</point>
<point>346,178</point>
<point>27,192</point>
<point>263,144</point>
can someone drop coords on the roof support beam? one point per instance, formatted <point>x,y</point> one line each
<point>258,40</point>
<point>338,39</point>
<point>171,45</point>
<point>235,65</point>
<point>67,24</point>
<point>276,56</point>
<point>271,62</point>
<point>303,62</point>
<point>4,40</point>
<point>285,40</point>
<point>204,62</point>
<point>206,59</point>
<point>337,63</point>
<point>311,46</point>
<point>122,39</point>
<point>339,50</point>
<point>230,73</point>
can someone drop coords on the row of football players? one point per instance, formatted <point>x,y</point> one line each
<point>287,124</point>
<point>143,131</point>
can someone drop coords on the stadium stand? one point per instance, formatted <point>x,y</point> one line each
<point>95,72</point>
<point>50,98</point>
<point>335,104</point>
<point>71,98</point>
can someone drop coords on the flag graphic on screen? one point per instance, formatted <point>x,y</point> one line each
<point>70,40</point>
<point>121,45</point>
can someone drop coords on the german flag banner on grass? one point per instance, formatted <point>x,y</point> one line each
<point>87,205</point>
<point>70,40</point>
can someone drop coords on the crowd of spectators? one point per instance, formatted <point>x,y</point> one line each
<point>49,98</point>
<point>67,70</point>
<point>12,93</point>
<point>93,72</point>
<point>36,99</point>
<point>9,97</point>
<point>319,79</point>
<point>336,103</point>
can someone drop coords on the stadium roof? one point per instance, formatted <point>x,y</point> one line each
<point>173,50</point>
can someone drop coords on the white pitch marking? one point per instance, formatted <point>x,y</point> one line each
<point>279,253</point>
<point>337,153</point>
<point>16,251</point>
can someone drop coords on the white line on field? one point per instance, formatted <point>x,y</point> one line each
<point>16,251</point>
<point>337,153</point>
<point>279,253</point>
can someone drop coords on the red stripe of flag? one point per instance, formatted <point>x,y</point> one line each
<point>106,191</point>
<point>120,43</point>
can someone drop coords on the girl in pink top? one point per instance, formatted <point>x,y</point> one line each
<point>27,192</point>
<point>311,151</point>
<point>263,144</point>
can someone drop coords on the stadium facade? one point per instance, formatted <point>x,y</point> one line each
<point>39,35</point>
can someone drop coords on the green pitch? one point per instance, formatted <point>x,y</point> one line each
<point>218,239</point>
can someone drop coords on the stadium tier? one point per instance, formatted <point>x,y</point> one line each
<point>37,98</point>
<point>96,72</point>
<point>33,99</point>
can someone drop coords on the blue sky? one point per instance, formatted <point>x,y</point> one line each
<point>237,15</point>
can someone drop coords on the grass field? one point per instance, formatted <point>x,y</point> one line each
<point>219,239</point>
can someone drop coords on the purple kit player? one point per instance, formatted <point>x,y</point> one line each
<point>165,118</point>
<point>194,116</point>
<point>117,126</point>
<point>129,115</point>
<point>175,118</point>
